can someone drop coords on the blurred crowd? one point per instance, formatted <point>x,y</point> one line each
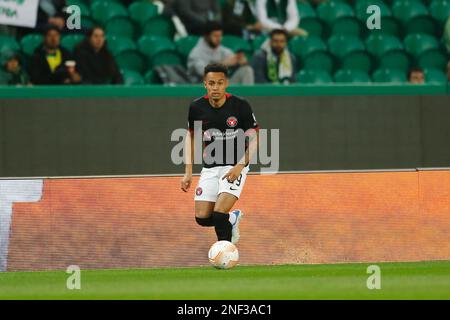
<point>92,62</point>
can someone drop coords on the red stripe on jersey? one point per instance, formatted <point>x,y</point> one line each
<point>227,95</point>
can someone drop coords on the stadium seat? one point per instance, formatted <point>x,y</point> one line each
<point>414,16</point>
<point>417,44</point>
<point>314,76</point>
<point>142,11</point>
<point>350,52</point>
<point>131,60</point>
<point>164,58</point>
<point>435,76</point>
<point>152,45</point>
<point>339,18</point>
<point>120,26</point>
<point>309,20</point>
<point>390,75</point>
<point>132,78</point>
<point>318,60</point>
<point>8,44</point>
<point>388,51</point>
<point>433,59</point>
<point>85,12</point>
<point>258,42</point>
<point>351,76</point>
<point>303,46</point>
<point>103,10</point>
<point>151,78</point>
<point>237,43</point>
<point>31,42</point>
<point>440,10</point>
<point>185,45</point>
<point>117,44</point>
<point>159,26</point>
<point>70,41</point>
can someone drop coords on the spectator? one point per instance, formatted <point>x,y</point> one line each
<point>12,73</point>
<point>273,63</point>
<point>239,18</point>
<point>195,14</point>
<point>416,76</point>
<point>279,14</point>
<point>49,62</point>
<point>94,61</point>
<point>209,50</point>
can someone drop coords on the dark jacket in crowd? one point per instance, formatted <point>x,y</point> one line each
<point>196,13</point>
<point>97,67</point>
<point>40,71</point>
<point>259,64</point>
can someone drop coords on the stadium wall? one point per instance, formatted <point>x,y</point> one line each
<point>146,222</point>
<point>80,131</point>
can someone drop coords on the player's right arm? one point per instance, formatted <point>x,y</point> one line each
<point>188,156</point>
<point>189,151</point>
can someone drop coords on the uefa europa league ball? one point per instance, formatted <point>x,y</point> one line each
<point>223,255</point>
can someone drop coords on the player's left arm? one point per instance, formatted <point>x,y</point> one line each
<point>251,128</point>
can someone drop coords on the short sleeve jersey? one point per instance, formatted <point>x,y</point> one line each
<point>223,125</point>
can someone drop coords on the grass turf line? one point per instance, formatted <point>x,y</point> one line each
<point>410,280</point>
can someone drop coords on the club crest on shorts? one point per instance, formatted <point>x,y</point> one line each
<point>198,191</point>
<point>232,122</point>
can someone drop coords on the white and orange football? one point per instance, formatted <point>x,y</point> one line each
<point>223,255</point>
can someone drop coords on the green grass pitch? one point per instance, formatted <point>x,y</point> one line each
<point>418,280</point>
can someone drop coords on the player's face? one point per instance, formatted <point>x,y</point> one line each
<point>216,83</point>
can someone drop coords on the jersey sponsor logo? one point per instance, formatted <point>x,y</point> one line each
<point>232,122</point>
<point>198,191</point>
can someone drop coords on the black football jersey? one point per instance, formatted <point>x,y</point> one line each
<point>225,125</point>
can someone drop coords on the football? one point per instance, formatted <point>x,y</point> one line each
<point>223,255</point>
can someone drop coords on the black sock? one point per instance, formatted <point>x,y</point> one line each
<point>222,225</point>
<point>205,222</point>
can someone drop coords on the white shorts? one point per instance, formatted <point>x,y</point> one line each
<point>211,184</point>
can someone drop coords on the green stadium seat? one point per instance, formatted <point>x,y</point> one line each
<point>185,45</point>
<point>120,26</point>
<point>152,78</point>
<point>318,60</point>
<point>417,44</point>
<point>117,44</point>
<point>85,11</point>
<point>132,78</point>
<point>435,76</point>
<point>433,59</point>
<point>440,10</point>
<point>258,42</point>
<point>339,17</point>
<point>142,11</point>
<point>87,23</point>
<point>388,51</point>
<point>8,44</point>
<point>149,46</point>
<point>309,20</point>
<point>350,52</point>
<point>380,44</point>
<point>314,76</point>
<point>70,41</point>
<point>414,16</point>
<point>237,43</point>
<point>164,58</point>
<point>303,46</point>
<point>351,76</point>
<point>390,75</point>
<point>103,10</point>
<point>31,42</point>
<point>131,60</point>
<point>159,26</point>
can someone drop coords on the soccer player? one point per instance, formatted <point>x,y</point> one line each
<point>228,119</point>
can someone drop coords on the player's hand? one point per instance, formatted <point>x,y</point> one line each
<point>186,182</point>
<point>234,173</point>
